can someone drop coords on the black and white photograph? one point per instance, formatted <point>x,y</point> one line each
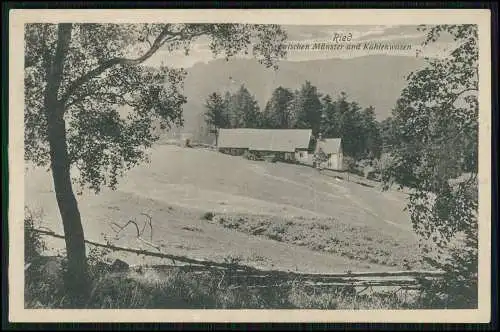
<point>239,164</point>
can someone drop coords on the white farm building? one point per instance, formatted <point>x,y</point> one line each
<point>332,148</point>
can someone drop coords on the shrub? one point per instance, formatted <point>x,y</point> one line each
<point>447,223</point>
<point>249,155</point>
<point>459,287</point>
<point>96,258</point>
<point>373,175</point>
<point>277,231</point>
<point>357,171</point>
<point>208,216</point>
<point>33,243</point>
<point>319,158</point>
<point>349,163</point>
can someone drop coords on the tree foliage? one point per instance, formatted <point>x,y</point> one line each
<point>91,104</point>
<point>371,140</point>
<point>434,147</point>
<point>387,134</point>
<point>243,109</point>
<point>320,157</point>
<point>110,100</point>
<point>358,128</point>
<point>330,121</point>
<point>307,108</point>
<point>216,114</point>
<point>278,110</point>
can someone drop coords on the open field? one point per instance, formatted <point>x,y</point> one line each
<point>181,185</point>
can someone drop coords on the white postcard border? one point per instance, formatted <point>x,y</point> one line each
<point>19,17</point>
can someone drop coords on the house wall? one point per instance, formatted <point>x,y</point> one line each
<point>302,156</point>
<point>289,156</point>
<point>335,161</point>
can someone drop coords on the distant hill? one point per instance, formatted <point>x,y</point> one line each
<point>371,80</point>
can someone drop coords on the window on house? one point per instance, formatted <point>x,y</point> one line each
<point>301,154</point>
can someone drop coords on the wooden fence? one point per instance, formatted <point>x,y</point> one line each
<point>235,273</point>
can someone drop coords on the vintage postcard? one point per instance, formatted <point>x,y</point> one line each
<point>249,166</point>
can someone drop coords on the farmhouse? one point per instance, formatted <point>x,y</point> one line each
<point>332,147</point>
<point>284,144</point>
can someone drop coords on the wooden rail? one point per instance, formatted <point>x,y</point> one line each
<point>265,278</point>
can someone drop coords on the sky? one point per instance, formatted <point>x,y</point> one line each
<point>407,36</point>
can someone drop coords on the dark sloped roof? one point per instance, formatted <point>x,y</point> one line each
<point>284,140</point>
<point>329,145</point>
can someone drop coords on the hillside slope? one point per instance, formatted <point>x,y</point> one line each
<point>181,184</point>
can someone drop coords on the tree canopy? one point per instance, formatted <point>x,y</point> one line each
<point>278,110</point>
<point>307,108</point>
<point>91,104</point>
<point>243,109</point>
<point>110,100</point>
<point>434,151</point>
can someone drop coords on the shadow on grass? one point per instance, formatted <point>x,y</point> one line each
<point>174,288</point>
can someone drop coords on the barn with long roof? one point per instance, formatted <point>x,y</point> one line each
<point>286,144</point>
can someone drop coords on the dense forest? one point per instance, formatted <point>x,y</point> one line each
<point>306,108</point>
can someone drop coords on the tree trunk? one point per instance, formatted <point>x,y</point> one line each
<point>77,274</point>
